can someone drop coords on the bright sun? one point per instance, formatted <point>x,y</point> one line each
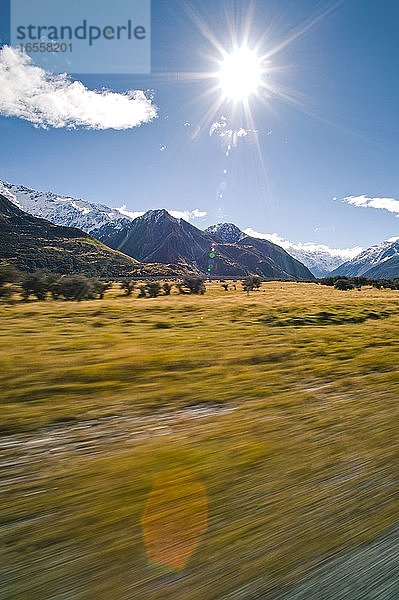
<point>240,74</point>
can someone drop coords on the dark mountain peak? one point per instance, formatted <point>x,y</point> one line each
<point>156,216</point>
<point>226,232</point>
<point>156,236</point>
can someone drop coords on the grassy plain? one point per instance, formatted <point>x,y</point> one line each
<point>282,403</point>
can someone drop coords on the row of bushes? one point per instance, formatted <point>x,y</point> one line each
<point>341,282</point>
<point>42,285</point>
<point>153,289</point>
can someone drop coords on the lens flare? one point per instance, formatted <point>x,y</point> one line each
<point>174,519</point>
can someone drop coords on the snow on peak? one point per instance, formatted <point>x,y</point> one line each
<point>319,258</point>
<point>64,210</point>
<point>4,190</point>
<point>156,215</point>
<point>378,253</point>
<point>226,232</point>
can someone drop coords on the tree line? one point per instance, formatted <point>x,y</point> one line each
<point>43,285</point>
<point>344,283</point>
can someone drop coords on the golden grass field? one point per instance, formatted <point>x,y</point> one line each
<point>281,406</point>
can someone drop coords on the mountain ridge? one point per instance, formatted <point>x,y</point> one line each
<point>102,221</point>
<point>88,216</point>
<point>31,244</point>
<point>158,236</point>
<point>63,210</point>
<point>377,262</point>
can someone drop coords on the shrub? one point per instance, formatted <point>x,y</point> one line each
<point>152,289</point>
<point>359,282</point>
<point>251,282</point>
<point>128,286</point>
<point>76,287</point>
<point>192,285</point>
<point>36,284</point>
<point>167,288</point>
<point>162,325</point>
<point>100,287</point>
<point>343,284</point>
<point>8,276</point>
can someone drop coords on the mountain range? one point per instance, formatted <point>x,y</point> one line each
<point>31,244</point>
<point>157,237</point>
<point>89,217</point>
<point>63,210</point>
<point>378,262</point>
<point>319,259</point>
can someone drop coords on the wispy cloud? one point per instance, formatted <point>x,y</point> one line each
<point>187,215</point>
<point>342,253</point>
<point>389,204</point>
<point>228,136</point>
<point>47,100</point>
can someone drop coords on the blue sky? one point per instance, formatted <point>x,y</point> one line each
<point>339,138</point>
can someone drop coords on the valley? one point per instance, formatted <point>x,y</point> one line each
<point>284,427</point>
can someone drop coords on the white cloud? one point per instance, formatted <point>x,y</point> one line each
<point>187,215</point>
<point>48,100</point>
<point>343,253</point>
<point>389,204</point>
<point>130,214</point>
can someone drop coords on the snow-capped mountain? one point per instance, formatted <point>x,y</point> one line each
<point>320,259</point>
<point>105,222</point>
<point>64,210</point>
<point>226,232</point>
<point>378,261</point>
<point>4,191</point>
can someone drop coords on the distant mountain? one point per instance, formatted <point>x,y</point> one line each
<point>31,244</point>
<point>226,232</point>
<point>63,210</point>
<point>319,260</point>
<point>381,261</point>
<point>158,237</point>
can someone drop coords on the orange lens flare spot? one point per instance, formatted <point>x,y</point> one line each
<point>174,519</point>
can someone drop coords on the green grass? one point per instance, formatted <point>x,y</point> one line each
<point>305,464</point>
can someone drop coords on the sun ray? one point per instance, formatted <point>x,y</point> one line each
<point>297,33</point>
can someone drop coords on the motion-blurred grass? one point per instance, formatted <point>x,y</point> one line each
<point>305,464</point>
